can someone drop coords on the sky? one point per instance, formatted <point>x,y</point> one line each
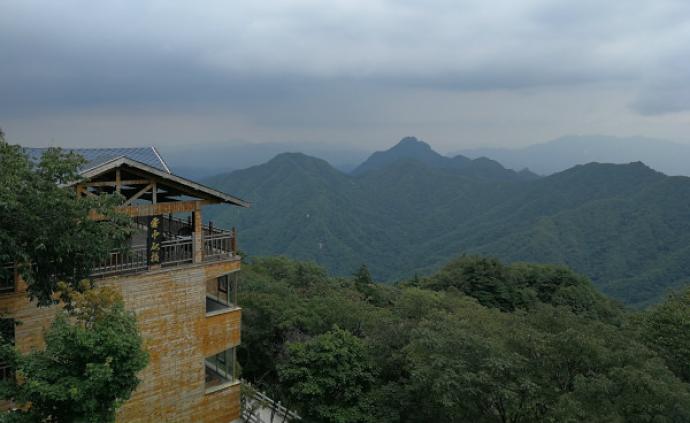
<point>348,73</point>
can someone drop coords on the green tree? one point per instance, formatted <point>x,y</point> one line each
<point>666,329</point>
<point>327,377</point>
<point>46,230</point>
<point>89,365</point>
<point>484,278</point>
<point>362,276</point>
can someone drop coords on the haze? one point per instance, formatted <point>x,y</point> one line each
<point>347,73</point>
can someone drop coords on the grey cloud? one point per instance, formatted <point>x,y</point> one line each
<point>301,65</point>
<point>150,50</point>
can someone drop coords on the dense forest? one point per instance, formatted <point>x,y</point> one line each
<point>409,210</point>
<point>477,341</point>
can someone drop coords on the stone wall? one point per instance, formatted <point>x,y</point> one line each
<point>170,306</point>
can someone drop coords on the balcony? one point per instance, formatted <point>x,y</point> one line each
<point>221,293</point>
<point>220,370</point>
<point>177,246</point>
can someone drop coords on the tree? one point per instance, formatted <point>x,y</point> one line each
<point>666,329</point>
<point>327,377</point>
<point>89,365</point>
<point>362,276</point>
<point>46,230</point>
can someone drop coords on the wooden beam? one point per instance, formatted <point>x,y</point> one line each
<point>124,182</point>
<point>118,180</point>
<point>138,194</point>
<point>165,208</point>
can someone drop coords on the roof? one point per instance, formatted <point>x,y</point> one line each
<point>97,156</point>
<point>145,159</point>
<point>179,183</point>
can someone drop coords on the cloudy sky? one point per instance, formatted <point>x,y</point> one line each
<point>360,73</point>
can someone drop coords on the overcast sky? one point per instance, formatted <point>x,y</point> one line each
<point>360,73</point>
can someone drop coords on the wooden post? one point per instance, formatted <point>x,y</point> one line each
<point>154,194</point>
<point>118,180</point>
<point>233,241</point>
<point>197,236</point>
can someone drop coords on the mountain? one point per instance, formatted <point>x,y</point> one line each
<point>410,148</point>
<point>625,226</point>
<point>565,152</point>
<point>204,160</point>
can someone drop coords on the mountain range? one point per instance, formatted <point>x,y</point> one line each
<point>197,161</point>
<point>568,151</point>
<point>409,210</point>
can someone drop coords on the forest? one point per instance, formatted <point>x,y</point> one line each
<point>477,341</point>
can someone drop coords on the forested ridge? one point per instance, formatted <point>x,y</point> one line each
<point>478,341</point>
<point>410,210</point>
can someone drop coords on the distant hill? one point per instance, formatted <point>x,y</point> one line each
<point>203,160</point>
<point>625,226</point>
<point>565,152</point>
<point>410,148</point>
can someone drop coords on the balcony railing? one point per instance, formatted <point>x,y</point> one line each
<point>130,260</point>
<point>176,250</point>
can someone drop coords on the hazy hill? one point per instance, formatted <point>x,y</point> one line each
<point>410,148</point>
<point>203,160</point>
<point>625,226</point>
<point>565,152</point>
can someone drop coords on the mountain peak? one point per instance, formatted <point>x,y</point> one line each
<point>408,148</point>
<point>411,143</point>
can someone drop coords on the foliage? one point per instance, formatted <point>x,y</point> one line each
<point>89,365</point>
<point>478,341</point>
<point>666,329</point>
<point>624,226</point>
<point>327,376</point>
<point>45,229</point>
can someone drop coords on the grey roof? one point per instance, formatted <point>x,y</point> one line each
<point>97,156</point>
<point>185,185</point>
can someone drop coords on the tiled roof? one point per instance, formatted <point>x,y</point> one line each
<point>97,156</point>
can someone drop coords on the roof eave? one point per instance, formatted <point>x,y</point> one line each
<point>194,186</point>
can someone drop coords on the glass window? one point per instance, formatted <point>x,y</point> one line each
<point>7,333</point>
<point>7,278</point>
<point>220,368</point>
<point>223,283</point>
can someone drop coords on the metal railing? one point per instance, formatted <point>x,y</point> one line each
<point>257,407</point>
<point>217,245</point>
<point>176,251</point>
<point>121,261</point>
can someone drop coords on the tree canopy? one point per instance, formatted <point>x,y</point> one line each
<point>46,230</point>
<point>89,366</point>
<point>478,341</point>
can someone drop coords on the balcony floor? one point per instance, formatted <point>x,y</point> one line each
<point>213,305</point>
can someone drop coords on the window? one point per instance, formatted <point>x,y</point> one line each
<point>220,368</point>
<point>221,293</point>
<point>7,333</point>
<point>7,278</point>
<point>223,284</point>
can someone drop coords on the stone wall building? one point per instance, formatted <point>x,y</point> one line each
<point>178,276</point>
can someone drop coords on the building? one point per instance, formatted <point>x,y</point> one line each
<point>179,277</point>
